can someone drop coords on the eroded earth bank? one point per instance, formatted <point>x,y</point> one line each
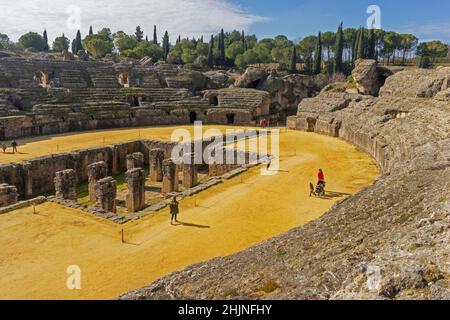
<point>390,241</point>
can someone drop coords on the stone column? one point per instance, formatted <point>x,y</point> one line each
<point>189,171</point>
<point>106,192</point>
<point>170,176</point>
<point>8,195</point>
<point>96,172</point>
<point>135,160</point>
<point>66,184</point>
<point>156,160</point>
<point>136,189</point>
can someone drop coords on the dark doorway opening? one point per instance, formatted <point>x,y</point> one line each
<point>192,117</point>
<point>134,101</point>
<point>214,101</point>
<point>230,118</point>
<point>311,125</point>
<point>254,84</point>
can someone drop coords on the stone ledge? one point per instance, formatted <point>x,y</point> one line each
<point>23,204</point>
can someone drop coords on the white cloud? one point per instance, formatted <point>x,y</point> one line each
<point>184,17</point>
<point>426,32</point>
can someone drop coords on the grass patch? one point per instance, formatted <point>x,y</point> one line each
<point>270,286</point>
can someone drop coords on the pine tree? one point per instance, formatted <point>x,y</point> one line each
<point>166,45</point>
<point>317,64</point>
<point>46,47</point>
<point>339,51</point>
<point>211,53</point>
<point>139,34</point>
<point>371,54</point>
<point>361,45</point>
<point>91,32</point>
<point>201,39</point>
<point>222,48</point>
<point>78,43</point>
<point>155,35</point>
<point>146,38</point>
<point>293,68</point>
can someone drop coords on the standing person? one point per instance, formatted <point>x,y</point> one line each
<point>174,210</point>
<point>4,147</point>
<point>321,176</point>
<point>14,146</point>
<point>268,161</point>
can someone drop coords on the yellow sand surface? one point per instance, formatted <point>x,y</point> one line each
<point>53,144</point>
<point>37,249</point>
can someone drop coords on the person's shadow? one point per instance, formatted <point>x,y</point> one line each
<point>192,225</point>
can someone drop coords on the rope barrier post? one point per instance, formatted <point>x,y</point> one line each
<point>123,236</point>
<point>34,209</point>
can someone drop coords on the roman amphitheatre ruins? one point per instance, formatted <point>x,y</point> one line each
<point>91,182</point>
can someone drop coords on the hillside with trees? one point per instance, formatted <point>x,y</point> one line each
<point>328,52</point>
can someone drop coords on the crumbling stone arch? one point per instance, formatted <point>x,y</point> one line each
<point>124,80</point>
<point>311,124</point>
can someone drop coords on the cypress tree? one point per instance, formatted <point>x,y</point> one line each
<point>211,53</point>
<point>46,47</point>
<point>317,64</point>
<point>91,32</point>
<point>361,45</point>
<point>222,48</point>
<point>339,51</point>
<point>139,34</point>
<point>155,35</point>
<point>355,46</point>
<point>78,43</point>
<point>293,68</point>
<point>371,54</point>
<point>166,45</point>
<point>244,44</point>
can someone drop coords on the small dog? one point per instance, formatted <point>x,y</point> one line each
<point>312,190</point>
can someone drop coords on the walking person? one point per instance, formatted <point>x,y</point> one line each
<point>174,210</point>
<point>14,146</point>
<point>4,147</point>
<point>321,177</point>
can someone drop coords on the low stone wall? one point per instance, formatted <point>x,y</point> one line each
<point>23,204</point>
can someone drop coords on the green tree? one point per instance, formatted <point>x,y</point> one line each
<point>155,35</point>
<point>244,45</point>
<point>211,52</point>
<point>145,49</point>
<point>31,40</point>
<point>222,48</point>
<point>124,42</point>
<point>433,49</point>
<point>371,45</point>
<point>100,44</point>
<point>166,45</point>
<point>317,66</point>
<point>78,42</point>
<point>61,43</point>
<point>360,52</point>
<point>91,32</point>
<point>328,40</point>
<point>139,34</point>
<point>339,51</point>
<point>293,67</point>
<point>45,37</point>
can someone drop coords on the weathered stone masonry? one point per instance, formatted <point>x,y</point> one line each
<point>8,195</point>
<point>96,172</point>
<point>105,193</point>
<point>170,176</point>
<point>66,184</point>
<point>136,190</point>
<point>156,159</point>
<point>135,160</point>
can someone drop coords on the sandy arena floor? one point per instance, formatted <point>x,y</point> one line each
<point>37,249</point>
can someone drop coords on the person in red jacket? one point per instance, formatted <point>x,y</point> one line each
<point>321,176</point>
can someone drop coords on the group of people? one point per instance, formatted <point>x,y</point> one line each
<point>320,188</point>
<point>14,146</point>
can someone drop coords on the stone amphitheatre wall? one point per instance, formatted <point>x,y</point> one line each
<point>39,97</point>
<point>389,241</point>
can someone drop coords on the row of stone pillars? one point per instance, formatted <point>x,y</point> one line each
<point>103,188</point>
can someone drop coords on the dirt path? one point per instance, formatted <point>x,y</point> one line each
<point>37,249</point>
<point>54,144</point>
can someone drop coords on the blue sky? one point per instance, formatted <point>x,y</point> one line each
<point>296,18</point>
<point>428,19</point>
